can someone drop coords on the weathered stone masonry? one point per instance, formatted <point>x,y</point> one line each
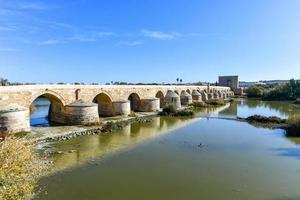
<point>83,104</point>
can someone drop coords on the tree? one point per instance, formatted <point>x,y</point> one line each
<point>177,80</point>
<point>255,91</point>
<point>180,80</point>
<point>3,82</point>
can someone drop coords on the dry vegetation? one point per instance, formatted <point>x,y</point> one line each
<point>20,169</point>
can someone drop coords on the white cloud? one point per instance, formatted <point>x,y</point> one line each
<point>49,42</point>
<point>32,6</point>
<point>160,35</point>
<point>7,28</point>
<point>91,36</point>
<point>131,43</point>
<point>7,49</point>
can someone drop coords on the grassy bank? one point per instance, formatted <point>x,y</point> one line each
<point>170,110</point>
<point>293,128</point>
<point>291,125</point>
<point>21,167</point>
<point>208,103</point>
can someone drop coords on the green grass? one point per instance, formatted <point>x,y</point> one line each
<point>293,128</point>
<point>263,119</point>
<point>215,102</point>
<point>170,110</point>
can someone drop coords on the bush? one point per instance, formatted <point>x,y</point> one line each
<point>255,91</point>
<point>288,91</point>
<point>185,113</point>
<point>169,109</point>
<point>114,125</point>
<point>216,102</point>
<point>20,169</point>
<point>263,119</point>
<point>132,114</point>
<point>293,128</point>
<point>200,104</point>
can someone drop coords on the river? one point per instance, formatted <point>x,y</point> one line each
<point>204,157</point>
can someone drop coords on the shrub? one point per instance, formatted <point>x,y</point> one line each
<point>288,91</point>
<point>169,109</point>
<point>263,119</point>
<point>293,128</point>
<point>200,104</point>
<point>20,169</point>
<point>114,125</point>
<point>255,91</point>
<point>132,114</point>
<point>216,102</point>
<point>185,112</point>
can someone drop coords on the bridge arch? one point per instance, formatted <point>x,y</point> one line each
<point>188,91</point>
<point>135,101</point>
<point>105,105</point>
<point>161,97</point>
<point>51,95</point>
<point>51,109</point>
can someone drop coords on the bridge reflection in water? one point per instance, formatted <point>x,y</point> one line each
<point>86,148</point>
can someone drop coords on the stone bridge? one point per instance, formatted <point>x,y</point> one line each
<point>83,104</point>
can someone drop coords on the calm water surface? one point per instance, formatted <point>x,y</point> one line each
<point>182,158</point>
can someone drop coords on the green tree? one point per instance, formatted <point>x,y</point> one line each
<point>255,91</point>
<point>288,91</point>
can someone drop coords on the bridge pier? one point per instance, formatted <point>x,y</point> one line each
<point>196,96</point>
<point>224,95</point>
<point>210,96</point>
<point>121,107</point>
<point>14,119</point>
<point>150,105</point>
<point>204,95</point>
<point>173,98</point>
<point>82,113</point>
<point>185,98</point>
<point>56,114</point>
<point>216,95</point>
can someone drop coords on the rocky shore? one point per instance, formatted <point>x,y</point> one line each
<point>105,128</point>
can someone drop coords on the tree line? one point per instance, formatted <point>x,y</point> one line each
<point>287,91</point>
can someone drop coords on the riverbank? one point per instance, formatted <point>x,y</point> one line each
<point>61,133</point>
<point>290,125</point>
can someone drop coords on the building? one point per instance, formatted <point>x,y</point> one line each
<point>232,82</point>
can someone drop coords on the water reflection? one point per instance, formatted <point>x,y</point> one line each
<point>80,149</point>
<point>40,110</point>
<point>248,107</point>
<point>236,161</point>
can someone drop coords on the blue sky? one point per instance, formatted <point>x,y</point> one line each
<point>148,40</point>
